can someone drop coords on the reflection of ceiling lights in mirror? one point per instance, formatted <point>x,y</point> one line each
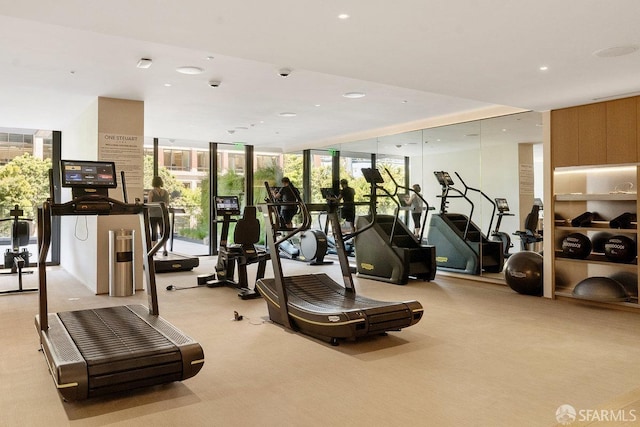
<point>287,114</point>
<point>354,95</point>
<point>189,70</point>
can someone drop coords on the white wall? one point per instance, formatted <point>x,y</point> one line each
<point>78,249</point>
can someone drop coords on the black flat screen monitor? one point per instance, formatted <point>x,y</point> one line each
<point>444,178</point>
<point>88,174</point>
<point>502,205</point>
<point>327,192</point>
<point>227,205</point>
<point>372,175</point>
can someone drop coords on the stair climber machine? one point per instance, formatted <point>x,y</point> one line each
<point>388,250</point>
<point>97,351</point>
<point>462,246</point>
<point>316,305</point>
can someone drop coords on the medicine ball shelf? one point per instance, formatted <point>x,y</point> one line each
<point>594,189</point>
<point>594,258</point>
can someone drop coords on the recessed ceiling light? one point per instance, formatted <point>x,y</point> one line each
<point>287,114</point>
<point>343,16</point>
<point>167,84</point>
<point>189,70</point>
<point>543,68</point>
<point>317,105</point>
<point>612,52</point>
<point>354,95</point>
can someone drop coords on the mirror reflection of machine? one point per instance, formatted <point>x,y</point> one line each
<point>172,261</point>
<point>388,250</point>
<point>503,210</point>
<point>16,258</point>
<point>462,245</point>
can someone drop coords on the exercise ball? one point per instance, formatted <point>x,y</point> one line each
<point>523,273</point>
<point>599,288</point>
<point>629,280</point>
<point>576,245</point>
<point>598,240</point>
<point>620,249</point>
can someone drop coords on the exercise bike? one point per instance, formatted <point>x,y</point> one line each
<point>16,259</point>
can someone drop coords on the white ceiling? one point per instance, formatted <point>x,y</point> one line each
<point>441,57</point>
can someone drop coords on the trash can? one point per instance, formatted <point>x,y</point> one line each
<point>121,275</point>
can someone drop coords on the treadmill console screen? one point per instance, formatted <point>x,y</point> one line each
<point>88,174</point>
<point>227,205</point>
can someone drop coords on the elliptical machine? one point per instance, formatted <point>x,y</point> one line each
<point>16,259</point>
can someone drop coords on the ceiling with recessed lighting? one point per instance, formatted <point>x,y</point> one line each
<point>409,61</point>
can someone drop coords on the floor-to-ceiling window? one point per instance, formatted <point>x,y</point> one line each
<point>25,160</point>
<point>183,167</point>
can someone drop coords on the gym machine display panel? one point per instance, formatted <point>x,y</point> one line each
<point>93,352</point>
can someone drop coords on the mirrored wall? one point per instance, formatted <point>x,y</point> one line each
<point>498,157</point>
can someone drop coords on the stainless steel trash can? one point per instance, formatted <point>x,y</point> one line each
<point>121,258</point>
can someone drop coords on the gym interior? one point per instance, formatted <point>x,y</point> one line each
<point>519,286</point>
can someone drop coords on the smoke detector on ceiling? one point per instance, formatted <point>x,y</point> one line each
<point>144,63</point>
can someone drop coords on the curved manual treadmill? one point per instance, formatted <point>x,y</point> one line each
<point>316,305</point>
<point>94,352</point>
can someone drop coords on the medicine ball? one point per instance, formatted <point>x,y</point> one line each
<point>598,240</point>
<point>620,249</point>
<point>576,245</point>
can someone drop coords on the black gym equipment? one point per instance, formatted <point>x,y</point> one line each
<point>461,244</point>
<point>523,273</point>
<point>530,236</point>
<point>576,245</point>
<point>173,261</point>
<point>603,289</point>
<point>15,259</point>
<point>314,304</point>
<point>623,221</point>
<point>598,240</point>
<point>629,280</point>
<point>98,351</point>
<point>503,210</point>
<point>620,249</point>
<point>312,245</point>
<point>583,220</point>
<point>242,252</point>
<point>388,250</point>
